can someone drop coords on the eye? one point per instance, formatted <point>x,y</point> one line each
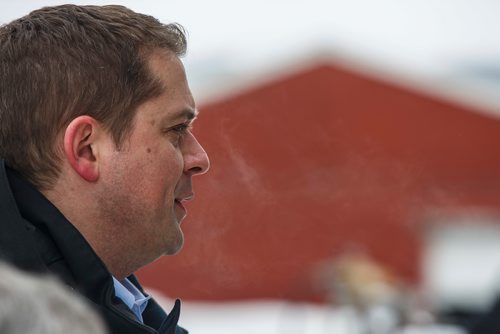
<point>182,129</point>
<point>178,132</point>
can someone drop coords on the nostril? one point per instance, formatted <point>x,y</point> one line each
<point>196,170</point>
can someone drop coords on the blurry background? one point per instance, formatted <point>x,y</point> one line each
<point>355,149</point>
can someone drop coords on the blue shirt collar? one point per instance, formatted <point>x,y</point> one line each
<point>131,296</point>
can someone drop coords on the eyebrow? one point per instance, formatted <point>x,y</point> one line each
<point>191,114</point>
<point>187,113</point>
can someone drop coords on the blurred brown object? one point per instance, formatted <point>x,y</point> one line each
<point>355,279</point>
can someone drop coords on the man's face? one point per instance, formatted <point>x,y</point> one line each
<point>149,178</point>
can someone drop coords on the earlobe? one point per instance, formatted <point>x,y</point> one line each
<point>79,139</point>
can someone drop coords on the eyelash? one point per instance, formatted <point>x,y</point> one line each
<point>182,129</point>
<point>179,131</point>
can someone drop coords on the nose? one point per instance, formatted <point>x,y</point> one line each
<point>196,160</point>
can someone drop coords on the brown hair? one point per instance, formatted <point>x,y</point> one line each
<point>61,62</point>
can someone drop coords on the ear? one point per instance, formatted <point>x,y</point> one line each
<point>79,139</point>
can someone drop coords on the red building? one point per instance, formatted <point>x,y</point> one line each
<point>318,162</point>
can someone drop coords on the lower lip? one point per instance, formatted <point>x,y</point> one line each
<point>179,205</point>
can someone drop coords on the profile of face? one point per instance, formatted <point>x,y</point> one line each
<point>148,179</point>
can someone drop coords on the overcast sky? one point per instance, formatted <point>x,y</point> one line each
<point>445,38</point>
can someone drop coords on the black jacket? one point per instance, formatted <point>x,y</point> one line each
<point>36,237</point>
<point>489,323</point>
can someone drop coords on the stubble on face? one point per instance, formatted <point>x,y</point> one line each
<point>144,229</point>
<point>137,197</point>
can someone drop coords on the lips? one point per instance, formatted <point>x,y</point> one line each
<point>179,203</point>
<point>180,210</point>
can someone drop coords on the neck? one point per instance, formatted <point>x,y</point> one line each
<point>106,237</point>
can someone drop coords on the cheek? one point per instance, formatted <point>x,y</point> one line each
<point>165,167</point>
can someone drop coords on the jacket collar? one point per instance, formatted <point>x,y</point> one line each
<point>18,244</point>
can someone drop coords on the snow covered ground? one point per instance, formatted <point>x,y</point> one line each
<point>280,317</point>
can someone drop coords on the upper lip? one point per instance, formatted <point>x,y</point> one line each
<point>185,197</point>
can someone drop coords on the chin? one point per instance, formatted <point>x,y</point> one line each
<point>174,246</point>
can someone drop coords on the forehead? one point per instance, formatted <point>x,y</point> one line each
<point>165,65</point>
<point>176,99</point>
